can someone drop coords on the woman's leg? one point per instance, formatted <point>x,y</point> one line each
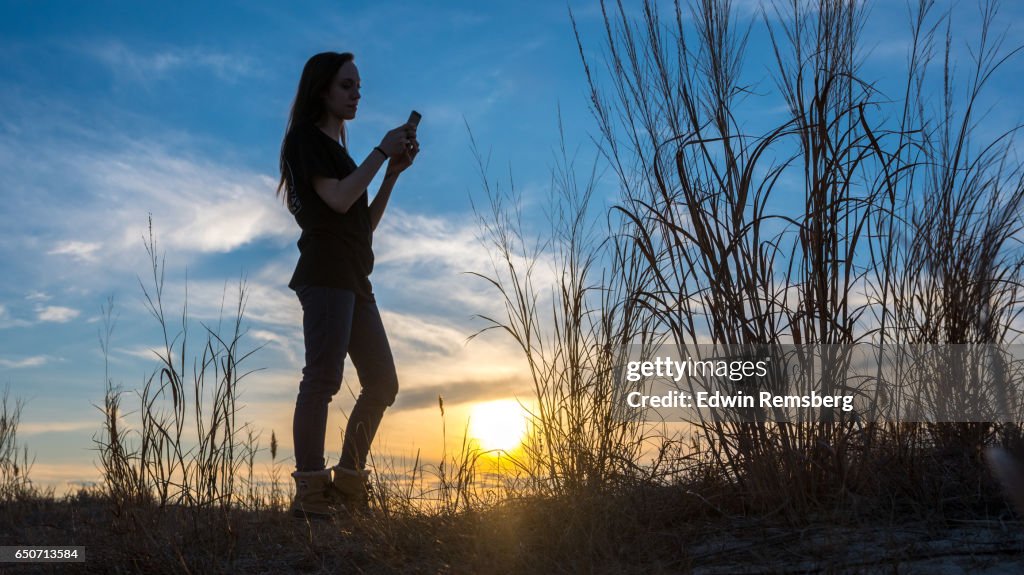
<point>371,356</point>
<point>327,315</point>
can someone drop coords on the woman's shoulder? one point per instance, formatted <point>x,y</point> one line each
<point>307,133</point>
<point>302,129</point>
<point>302,138</point>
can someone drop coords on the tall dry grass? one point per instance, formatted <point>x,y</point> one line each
<point>572,331</point>
<point>903,232</point>
<point>15,466</point>
<point>187,447</point>
<point>833,226</point>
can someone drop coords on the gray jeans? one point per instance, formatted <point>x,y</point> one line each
<point>335,323</point>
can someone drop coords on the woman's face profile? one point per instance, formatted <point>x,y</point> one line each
<point>342,95</point>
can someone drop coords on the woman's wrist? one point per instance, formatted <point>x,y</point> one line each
<point>383,153</point>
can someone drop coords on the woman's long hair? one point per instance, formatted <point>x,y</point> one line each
<point>309,103</point>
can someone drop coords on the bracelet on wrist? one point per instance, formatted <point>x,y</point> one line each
<point>378,148</point>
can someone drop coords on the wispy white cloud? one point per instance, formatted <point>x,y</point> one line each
<point>140,64</point>
<point>430,351</point>
<point>436,254</point>
<point>146,352</point>
<point>56,313</point>
<point>408,238</point>
<point>33,361</point>
<point>6,321</point>
<point>85,251</point>
<point>36,295</point>
<point>37,427</point>
<point>277,340</point>
<point>198,206</point>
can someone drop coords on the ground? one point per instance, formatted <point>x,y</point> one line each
<point>594,536</point>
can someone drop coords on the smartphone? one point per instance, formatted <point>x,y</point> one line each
<point>414,118</point>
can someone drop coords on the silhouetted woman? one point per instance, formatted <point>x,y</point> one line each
<point>326,191</point>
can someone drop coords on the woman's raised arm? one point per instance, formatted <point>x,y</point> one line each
<point>339,195</point>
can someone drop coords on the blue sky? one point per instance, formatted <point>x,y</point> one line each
<point>117,110</point>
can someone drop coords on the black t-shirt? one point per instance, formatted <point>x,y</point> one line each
<point>335,250</point>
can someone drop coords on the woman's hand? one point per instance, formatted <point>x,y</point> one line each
<point>398,164</point>
<point>397,141</point>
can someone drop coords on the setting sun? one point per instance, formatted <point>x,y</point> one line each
<point>498,424</point>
